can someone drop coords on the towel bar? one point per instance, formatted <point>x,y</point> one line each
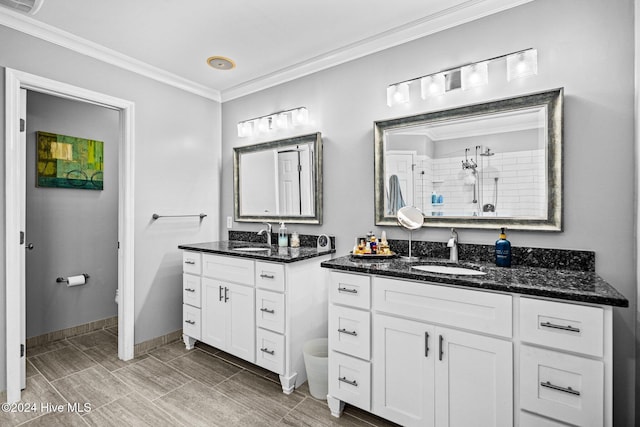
<point>156,216</point>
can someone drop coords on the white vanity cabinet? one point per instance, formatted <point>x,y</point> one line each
<point>423,354</point>
<point>259,311</point>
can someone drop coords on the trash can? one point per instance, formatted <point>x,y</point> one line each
<point>316,360</point>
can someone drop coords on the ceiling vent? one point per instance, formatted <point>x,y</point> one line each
<point>30,7</point>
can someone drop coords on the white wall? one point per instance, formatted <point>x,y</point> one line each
<point>585,47</point>
<point>177,170</point>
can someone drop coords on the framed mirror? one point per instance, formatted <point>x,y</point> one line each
<point>490,165</point>
<point>279,181</point>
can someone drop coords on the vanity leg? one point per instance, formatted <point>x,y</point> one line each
<point>288,383</point>
<point>188,341</point>
<point>336,406</point>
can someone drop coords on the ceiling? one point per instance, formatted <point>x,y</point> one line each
<point>270,41</point>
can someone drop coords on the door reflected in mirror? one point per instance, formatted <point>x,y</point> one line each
<point>279,180</point>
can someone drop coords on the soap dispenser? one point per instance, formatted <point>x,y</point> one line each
<point>503,250</point>
<point>283,238</point>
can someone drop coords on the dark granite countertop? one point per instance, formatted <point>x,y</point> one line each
<point>273,252</point>
<point>581,286</point>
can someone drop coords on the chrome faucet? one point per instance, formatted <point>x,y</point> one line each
<point>268,231</point>
<point>453,244</point>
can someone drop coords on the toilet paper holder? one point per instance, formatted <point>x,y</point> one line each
<point>66,280</point>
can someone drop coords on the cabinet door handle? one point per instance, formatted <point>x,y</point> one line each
<point>191,322</point>
<point>440,348</point>
<point>220,293</point>
<point>426,344</point>
<point>189,261</point>
<point>226,294</point>
<point>266,350</point>
<point>351,291</point>
<point>189,289</point>
<point>266,310</point>
<point>558,388</point>
<point>267,276</point>
<point>564,328</point>
<point>345,380</point>
<point>344,331</point>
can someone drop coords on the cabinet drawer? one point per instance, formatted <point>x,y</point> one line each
<point>191,321</point>
<point>191,290</point>
<point>350,289</point>
<point>350,380</point>
<point>270,350</point>
<point>562,386</point>
<point>480,311</point>
<point>191,262</point>
<point>230,269</point>
<point>350,331</point>
<point>572,327</point>
<point>270,310</point>
<point>270,276</point>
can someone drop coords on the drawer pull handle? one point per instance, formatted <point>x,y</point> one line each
<point>266,310</point>
<point>190,261</point>
<point>266,350</point>
<point>351,291</point>
<point>226,294</point>
<point>440,347</point>
<point>344,331</point>
<point>345,380</point>
<point>267,276</point>
<point>220,293</point>
<point>558,388</point>
<point>189,289</point>
<point>191,322</point>
<point>564,328</point>
<point>426,344</point>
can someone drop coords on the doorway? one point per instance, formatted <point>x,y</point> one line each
<point>15,176</point>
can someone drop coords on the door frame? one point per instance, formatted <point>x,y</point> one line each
<point>15,175</point>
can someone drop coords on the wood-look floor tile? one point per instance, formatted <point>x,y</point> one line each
<point>130,410</point>
<point>206,347</point>
<point>258,370</point>
<point>260,394</point>
<point>45,348</point>
<point>113,330</point>
<point>93,339</point>
<point>368,417</point>
<point>65,419</point>
<point>95,386</point>
<point>38,392</point>
<point>60,363</point>
<point>170,351</point>
<point>106,354</point>
<point>204,367</point>
<point>198,405</point>
<point>31,370</point>
<point>315,413</point>
<point>151,378</point>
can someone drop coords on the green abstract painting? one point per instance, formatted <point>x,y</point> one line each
<point>69,162</point>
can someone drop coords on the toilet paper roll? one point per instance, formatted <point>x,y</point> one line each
<point>76,280</point>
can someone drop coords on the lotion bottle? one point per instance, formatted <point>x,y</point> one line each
<point>283,238</point>
<point>503,250</point>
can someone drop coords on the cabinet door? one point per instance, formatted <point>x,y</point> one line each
<point>241,338</point>
<point>474,380</point>
<point>404,352</point>
<point>213,314</point>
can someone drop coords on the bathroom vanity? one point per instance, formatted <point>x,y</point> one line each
<point>521,346</point>
<point>255,302</point>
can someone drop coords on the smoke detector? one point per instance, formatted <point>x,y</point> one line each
<point>30,7</point>
<point>220,62</point>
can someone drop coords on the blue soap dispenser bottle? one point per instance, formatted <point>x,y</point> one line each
<point>503,250</point>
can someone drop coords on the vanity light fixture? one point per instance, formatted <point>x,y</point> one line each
<point>278,120</point>
<point>521,63</point>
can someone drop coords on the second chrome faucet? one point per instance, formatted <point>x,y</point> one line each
<point>267,231</point>
<point>453,246</point>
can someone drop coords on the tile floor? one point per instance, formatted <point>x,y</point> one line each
<point>80,381</point>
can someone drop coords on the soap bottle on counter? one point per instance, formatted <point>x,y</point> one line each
<point>283,238</point>
<point>295,240</point>
<point>503,250</point>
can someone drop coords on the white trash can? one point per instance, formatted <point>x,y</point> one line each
<point>316,361</point>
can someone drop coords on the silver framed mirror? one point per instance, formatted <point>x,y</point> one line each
<point>279,181</point>
<point>490,165</point>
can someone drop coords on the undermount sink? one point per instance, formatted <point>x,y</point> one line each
<point>252,249</point>
<point>449,269</point>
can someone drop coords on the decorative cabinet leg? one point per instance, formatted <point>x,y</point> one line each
<point>288,383</point>
<point>336,406</point>
<point>188,341</point>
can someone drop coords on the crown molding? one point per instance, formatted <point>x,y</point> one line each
<point>48,33</point>
<point>448,18</point>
